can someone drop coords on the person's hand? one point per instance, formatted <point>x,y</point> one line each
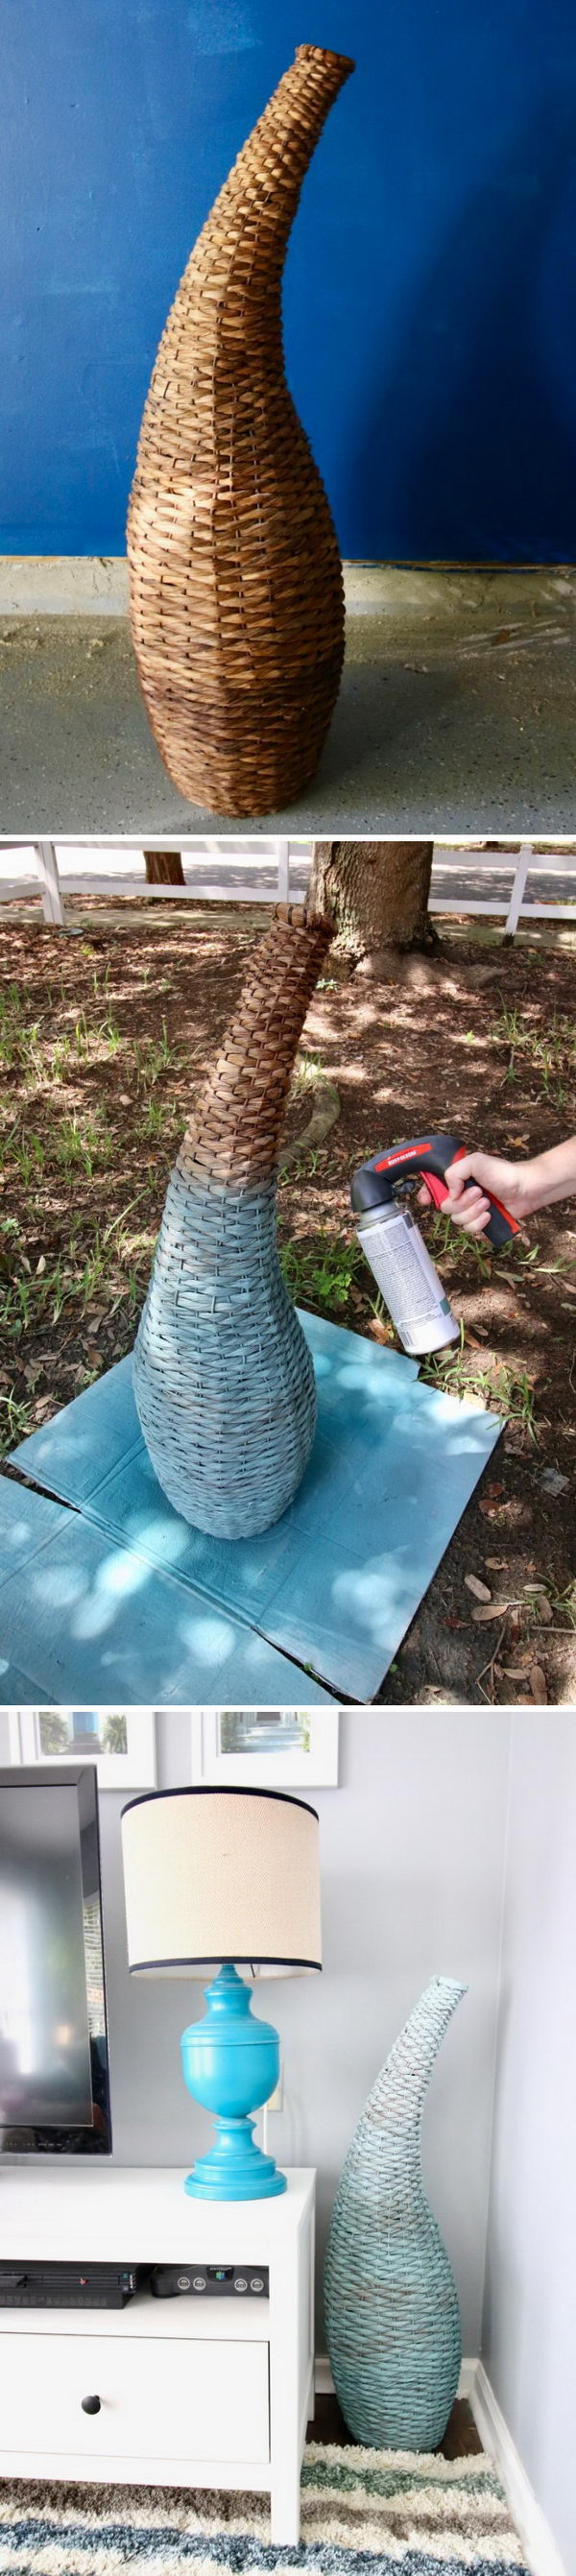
<point>470,1207</point>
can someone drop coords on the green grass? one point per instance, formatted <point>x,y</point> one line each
<point>551,1054</point>
<point>15,1422</point>
<point>151,1057</point>
<point>446,1244</point>
<point>19,1041</point>
<point>502,1389</point>
<point>58,1145</point>
<point>307,1070</point>
<point>320,1272</point>
<point>82,1144</point>
<point>26,1153</point>
<point>114,1270</point>
<point>157,1117</point>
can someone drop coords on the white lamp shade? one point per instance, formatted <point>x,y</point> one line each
<point>221,1874</point>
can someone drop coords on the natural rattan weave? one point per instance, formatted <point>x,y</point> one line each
<point>392,2315</point>
<point>223,1378</point>
<point>235,578</point>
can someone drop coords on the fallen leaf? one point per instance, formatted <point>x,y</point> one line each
<point>553,1482</point>
<point>498,1564</point>
<point>492,1610</point>
<point>544,1609</point>
<point>538,1686</point>
<point>480,1590</point>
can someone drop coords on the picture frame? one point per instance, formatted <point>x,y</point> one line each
<point>264,1748</point>
<point>120,1742</point>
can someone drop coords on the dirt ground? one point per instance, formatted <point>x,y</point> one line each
<point>104,1038</point>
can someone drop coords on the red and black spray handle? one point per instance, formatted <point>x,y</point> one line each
<point>426,1158</point>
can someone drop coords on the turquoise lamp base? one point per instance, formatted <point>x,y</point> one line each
<point>234,2168</point>
<point>231,2064</point>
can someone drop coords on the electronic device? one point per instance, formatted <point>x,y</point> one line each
<point>393,1244</point>
<point>54,2086</point>
<point>66,2285</point>
<point>210,2280</point>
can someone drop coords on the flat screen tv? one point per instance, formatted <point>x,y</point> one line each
<point>54,2088</point>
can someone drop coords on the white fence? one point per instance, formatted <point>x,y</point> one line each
<point>262,869</point>
<point>521,863</point>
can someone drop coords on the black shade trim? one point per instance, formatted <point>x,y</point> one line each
<point>202,1962</point>
<point>214,1789</point>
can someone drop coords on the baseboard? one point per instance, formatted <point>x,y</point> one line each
<point>63,586</point>
<point>324,2384</point>
<point>541,2550</point>
<point>97,586</point>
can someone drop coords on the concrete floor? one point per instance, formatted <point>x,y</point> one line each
<point>455,715</point>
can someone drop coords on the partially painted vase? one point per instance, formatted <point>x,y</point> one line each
<point>223,1378</point>
<point>235,578</point>
<point>391,2304</point>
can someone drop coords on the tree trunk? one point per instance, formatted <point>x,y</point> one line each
<point>164,867</point>
<point>376,893</point>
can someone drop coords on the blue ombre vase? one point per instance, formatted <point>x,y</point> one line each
<point>231,2065</point>
<point>223,1378</point>
<point>391,2304</point>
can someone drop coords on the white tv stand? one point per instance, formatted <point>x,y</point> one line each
<point>193,2392</point>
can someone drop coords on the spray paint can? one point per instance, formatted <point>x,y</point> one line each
<point>393,1244</point>
<point>407,1279</point>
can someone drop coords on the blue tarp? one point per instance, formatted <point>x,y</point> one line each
<point>122,1596</point>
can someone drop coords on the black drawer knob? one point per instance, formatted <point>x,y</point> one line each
<point>90,2405</point>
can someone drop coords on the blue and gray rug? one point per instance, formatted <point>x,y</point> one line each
<point>412,2514</point>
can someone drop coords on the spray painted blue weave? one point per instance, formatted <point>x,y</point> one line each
<point>391,2304</point>
<point>223,1377</point>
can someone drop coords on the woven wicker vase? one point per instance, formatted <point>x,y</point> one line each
<point>223,1378</point>
<point>392,2315</point>
<point>235,578</point>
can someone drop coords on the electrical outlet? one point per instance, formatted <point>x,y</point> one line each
<point>276,2102</point>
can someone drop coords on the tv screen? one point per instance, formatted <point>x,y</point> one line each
<point>54,2091</point>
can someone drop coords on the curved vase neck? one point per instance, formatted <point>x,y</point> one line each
<point>274,159</point>
<point>234,1133</point>
<point>237,261</point>
<point>398,2094</point>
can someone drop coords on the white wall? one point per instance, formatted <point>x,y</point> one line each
<point>529,2330</point>
<point>412,1857</point>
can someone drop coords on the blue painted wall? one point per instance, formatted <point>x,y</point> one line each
<point>430,289</point>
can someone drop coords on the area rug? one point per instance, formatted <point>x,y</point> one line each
<point>411,2513</point>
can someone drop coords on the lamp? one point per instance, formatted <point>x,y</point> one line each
<point>225,1879</point>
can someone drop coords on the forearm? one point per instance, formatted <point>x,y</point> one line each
<point>551,1176</point>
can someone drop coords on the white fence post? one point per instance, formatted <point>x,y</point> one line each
<point>518,891</point>
<point>283,860</point>
<point>51,890</point>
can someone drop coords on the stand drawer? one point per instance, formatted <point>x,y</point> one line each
<point>175,2399</point>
